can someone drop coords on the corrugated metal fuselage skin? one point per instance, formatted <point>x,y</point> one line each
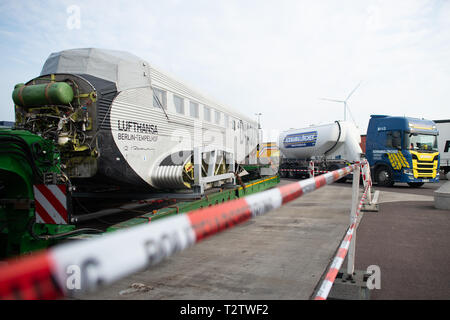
<point>132,136</point>
<point>146,135</point>
<point>406,165</point>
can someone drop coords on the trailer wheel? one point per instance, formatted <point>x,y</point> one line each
<point>383,176</point>
<point>415,184</point>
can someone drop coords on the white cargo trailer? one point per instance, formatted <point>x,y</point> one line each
<point>444,144</point>
<point>329,146</point>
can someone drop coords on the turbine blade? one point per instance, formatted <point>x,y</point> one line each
<point>353,91</point>
<point>351,115</point>
<point>333,100</point>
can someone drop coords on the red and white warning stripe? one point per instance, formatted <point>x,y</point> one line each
<point>327,283</point>
<point>365,171</point>
<point>305,170</point>
<point>311,169</point>
<point>106,259</point>
<point>50,204</point>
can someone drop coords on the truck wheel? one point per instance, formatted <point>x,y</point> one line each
<point>383,176</point>
<point>415,184</point>
<point>283,174</point>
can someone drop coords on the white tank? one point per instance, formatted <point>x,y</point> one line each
<point>334,141</point>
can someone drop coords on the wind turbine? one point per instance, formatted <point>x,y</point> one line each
<point>345,102</point>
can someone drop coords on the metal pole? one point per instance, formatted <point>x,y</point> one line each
<point>345,110</point>
<point>198,184</point>
<point>258,142</point>
<point>355,202</point>
<point>259,119</point>
<point>369,180</point>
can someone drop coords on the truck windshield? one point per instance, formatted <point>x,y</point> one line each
<point>422,142</point>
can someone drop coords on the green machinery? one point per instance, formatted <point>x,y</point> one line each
<point>42,94</point>
<point>26,159</point>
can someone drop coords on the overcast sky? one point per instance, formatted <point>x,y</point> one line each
<point>274,57</point>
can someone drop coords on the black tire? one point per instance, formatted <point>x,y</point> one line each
<point>415,184</point>
<point>383,176</point>
<point>283,174</point>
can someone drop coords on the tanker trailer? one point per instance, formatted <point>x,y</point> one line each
<point>329,146</point>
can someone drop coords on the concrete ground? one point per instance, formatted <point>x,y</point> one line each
<point>281,255</point>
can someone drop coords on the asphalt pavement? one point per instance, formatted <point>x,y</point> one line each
<point>281,255</point>
<point>410,242</point>
<point>284,255</point>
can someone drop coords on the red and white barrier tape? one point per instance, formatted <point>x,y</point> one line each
<point>305,170</point>
<point>105,259</point>
<point>327,283</point>
<point>365,171</point>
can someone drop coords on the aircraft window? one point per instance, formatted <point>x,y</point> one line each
<point>207,113</point>
<point>179,104</point>
<point>159,98</point>
<point>193,109</point>
<point>217,117</point>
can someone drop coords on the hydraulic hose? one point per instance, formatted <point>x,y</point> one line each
<point>339,137</point>
<point>59,235</point>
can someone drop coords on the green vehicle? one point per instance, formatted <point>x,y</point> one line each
<point>26,160</point>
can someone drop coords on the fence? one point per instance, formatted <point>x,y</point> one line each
<point>349,241</point>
